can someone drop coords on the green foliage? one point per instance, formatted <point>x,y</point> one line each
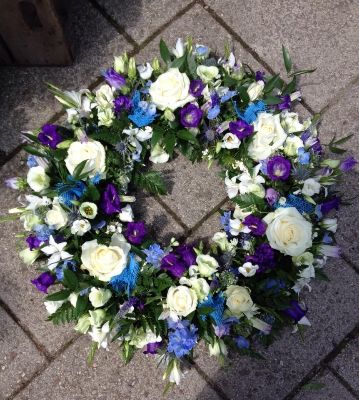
<point>287,60</point>
<point>58,296</point>
<point>250,200</point>
<point>65,314</point>
<point>91,354</point>
<point>151,181</point>
<point>165,53</point>
<point>70,280</point>
<point>333,145</point>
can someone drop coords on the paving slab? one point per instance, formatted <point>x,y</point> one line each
<point>19,358</point>
<point>322,35</point>
<point>108,379</point>
<point>347,363</point>
<point>324,387</point>
<point>332,313</point>
<point>142,18</point>
<point>26,103</point>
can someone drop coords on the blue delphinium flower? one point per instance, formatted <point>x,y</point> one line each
<point>43,232</point>
<point>225,218</point>
<point>31,161</point>
<point>303,156</point>
<point>154,254</point>
<point>182,338</point>
<point>67,264</point>
<point>96,179</point>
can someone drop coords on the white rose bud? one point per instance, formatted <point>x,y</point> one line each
<point>290,122</point>
<point>292,144</point>
<point>330,224</point>
<point>126,214</point>
<point>220,238</point>
<point>306,258</point>
<point>120,64</point>
<point>218,348</point>
<point>28,256</point>
<point>37,179</point>
<point>159,155</point>
<point>145,71</point>
<point>99,297</point>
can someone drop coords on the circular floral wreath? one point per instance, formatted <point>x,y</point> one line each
<point>109,276</point>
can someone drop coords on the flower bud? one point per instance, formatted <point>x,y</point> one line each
<point>132,71</point>
<point>121,64</point>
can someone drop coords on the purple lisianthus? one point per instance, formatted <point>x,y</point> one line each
<point>13,183</point>
<point>264,256</point>
<point>44,281</point>
<point>285,104</point>
<point>114,79</point>
<point>190,116</point>
<point>187,254</point>
<point>242,342</point>
<point>196,87</point>
<point>330,205</point>
<point>136,232</point>
<point>295,311</point>
<point>272,196</point>
<point>240,128</point>
<point>255,224</point>
<point>33,242</point>
<point>152,348</point>
<point>278,168</point>
<point>260,76</point>
<point>348,164</point>
<point>49,136</point>
<point>122,103</point>
<point>173,265</point>
<point>110,201</point>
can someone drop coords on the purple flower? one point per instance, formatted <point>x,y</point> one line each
<point>13,183</point>
<point>33,242</point>
<point>122,103</point>
<point>260,75</point>
<point>330,205</point>
<point>255,224</point>
<point>152,348</point>
<point>110,201</point>
<point>264,256</point>
<point>196,87</point>
<point>271,196</point>
<point>295,311</point>
<point>190,116</point>
<point>240,128</point>
<point>114,79</point>
<point>136,232</point>
<point>173,265</point>
<point>348,164</point>
<point>285,104</point>
<point>187,254</point>
<point>242,342</point>
<point>44,281</point>
<point>49,136</point>
<point>278,168</point>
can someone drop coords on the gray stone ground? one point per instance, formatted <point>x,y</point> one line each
<point>38,361</point>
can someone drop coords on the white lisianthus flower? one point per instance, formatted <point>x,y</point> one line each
<point>83,324</point>
<point>306,258</point>
<point>207,74</point>
<point>56,217</point>
<point>292,144</point>
<point>255,89</point>
<point>171,90</point>
<point>232,186</point>
<point>53,306</point>
<point>248,269</point>
<point>236,227</point>
<point>141,338</point>
<point>199,285</point>
<point>104,262</point>
<point>99,297</point>
<point>105,116</point>
<point>207,265</point>
<point>92,151</point>
<point>218,348</point>
<point>145,71</point>
<point>88,210</point>
<point>37,179</point>
<point>104,96</point>
<point>159,155</point>
<point>140,134</point>
<point>311,187</point>
<point>28,256</point>
<point>101,335</point>
<point>126,214</point>
<point>239,300</point>
<point>220,238</point>
<point>181,300</point>
<point>288,231</point>
<point>80,227</point>
<point>97,317</point>
<point>29,220</point>
<point>290,122</point>
<point>330,224</point>
<point>269,136</point>
<point>230,141</point>
<point>35,202</point>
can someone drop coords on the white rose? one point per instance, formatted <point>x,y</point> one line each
<point>37,179</point>
<point>171,90</point>
<point>80,227</point>
<point>102,261</point>
<point>290,122</point>
<point>158,155</point>
<point>239,300</point>
<point>292,144</point>
<point>92,151</point>
<point>57,216</point>
<point>255,89</point>
<point>126,214</point>
<point>181,300</point>
<point>207,74</point>
<point>230,141</point>
<point>199,285</point>
<point>207,265</point>
<point>145,71</point>
<point>311,187</point>
<point>99,297</point>
<point>288,231</point>
<point>269,136</point>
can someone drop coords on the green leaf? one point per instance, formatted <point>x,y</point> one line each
<point>342,140</point>
<point>271,84</point>
<point>91,354</point>
<point>70,279</point>
<point>157,135</point>
<point>31,150</point>
<point>92,193</point>
<point>184,134</point>
<point>272,100</point>
<point>109,137</point>
<point>65,314</point>
<point>78,170</point>
<point>151,181</point>
<point>81,305</point>
<point>128,351</point>
<point>192,66</point>
<point>165,53</point>
<point>302,72</point>
<point>178,62</point>
<point>243,94</point>
<point>314,386</point>
<point>287,60</point>
<point>169,142</point>
<point>58,296</point>
<point>33,138</point>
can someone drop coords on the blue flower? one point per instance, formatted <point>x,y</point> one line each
<point>182,339</point>
<point>228,95</point>
<point>242,342</point>
<point>67,264</point>
<point>72,190</point>
<point>126,281</point>
<point>217,303</point>
<point>213,112</point>
<point>96,179</point>
<point>143,113</point>
<point>154,254</point>
<point>250,113</point>
<point>31,161</point>
<point>303,156</point>
<point>43,232</point>
<point>225,219</point>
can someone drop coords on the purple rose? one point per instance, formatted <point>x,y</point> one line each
<point>278,168</point>
<point>348,164</point>
<point>49,136</point>
<point>135,232</point>
<point>173,265</point>
<point>33,242</point>
<point>122,103</point>
<point>240,128</point>
<point>196,87</point>
<point>187,254</point>
<point>114,79</point>
<point>110,201</point>
<point>295,311</point>
<point>190,116</point>
<point>44,281</point>
<point>256,225</point>
<point>271,196</point>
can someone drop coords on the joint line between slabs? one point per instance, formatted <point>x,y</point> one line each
<point>352,264</point>
<point>342,381</point>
